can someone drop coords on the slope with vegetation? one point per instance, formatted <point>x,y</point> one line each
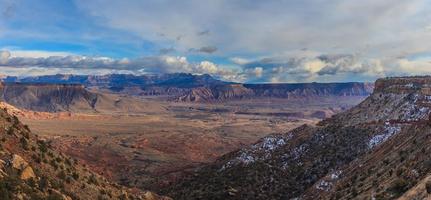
<point>31,169</point>
<point>378,149</point>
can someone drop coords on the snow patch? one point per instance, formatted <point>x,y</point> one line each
<point>259,151</point>
<point>388,131</point>
<point>324,185</point>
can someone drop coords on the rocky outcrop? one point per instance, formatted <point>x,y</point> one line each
<point>18,163</point>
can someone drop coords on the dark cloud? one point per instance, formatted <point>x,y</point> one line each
<point>161,34</point>
<point>9,9</point>
<point>205,32</point>
<point>165,51</point>
<point>206,49</point>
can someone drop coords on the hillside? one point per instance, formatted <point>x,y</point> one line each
<point>31,169</point>
<point>249,91</point>
<point>376,149</point>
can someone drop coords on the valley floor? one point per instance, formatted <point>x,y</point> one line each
<point>150,150</point>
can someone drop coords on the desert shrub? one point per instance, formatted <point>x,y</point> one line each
<point>62,175</point>
<point>57,184</point>
<point>43,183</point>
<point>24,143</point>
<point>26,134</point>
<point>75,175</point>
<point>428,186</point>
<point>15,120</point>
<point>68,162</point>
<point>26,127</point>
<point>399,186</point>
<point>399,172</point>
<point>53,164</point>
<point>92,180</point>
<point>123,197</point>
<point>55,197</point>
<point>36,158</point>
<point>9,185</point>
<point>42,146</point>
<point>354,192</point>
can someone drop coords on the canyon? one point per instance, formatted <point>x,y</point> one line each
<point>135,135</point>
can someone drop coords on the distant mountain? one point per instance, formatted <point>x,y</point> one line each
<point>119,81</point>
<point>31,169</point>
<point>185,87</point>
<point>295,90</point>
<point>376,150</point>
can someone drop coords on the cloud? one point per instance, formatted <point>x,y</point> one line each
<point>169,50</point>
<point>4,57</point>
<point>97,65</point>
<point>372,27</point>
<point>8,9</point>
<point>205,32</point>
<point>310,66</point>
<point>205,49</point>
<point>300,66</point>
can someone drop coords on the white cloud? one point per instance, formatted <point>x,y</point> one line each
<point>38,54</point>
<point>301,66</point>
<point>4,56</point>
<point>258,71</point>
<point>29,65</point>
<point>372,27</point>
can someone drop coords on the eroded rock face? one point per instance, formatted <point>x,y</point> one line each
<point>18,162</point>
<point>404,85</point>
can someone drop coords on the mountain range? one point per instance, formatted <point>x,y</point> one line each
<point>184,87</point>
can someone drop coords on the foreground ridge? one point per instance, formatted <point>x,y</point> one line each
<point>375,150</point>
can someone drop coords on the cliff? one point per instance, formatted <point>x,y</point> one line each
<point>48,97</point>
<point>250,91</point>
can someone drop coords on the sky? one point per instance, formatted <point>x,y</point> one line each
<point>249,41</point>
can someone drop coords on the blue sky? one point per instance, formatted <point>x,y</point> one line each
<point>237,40</point>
